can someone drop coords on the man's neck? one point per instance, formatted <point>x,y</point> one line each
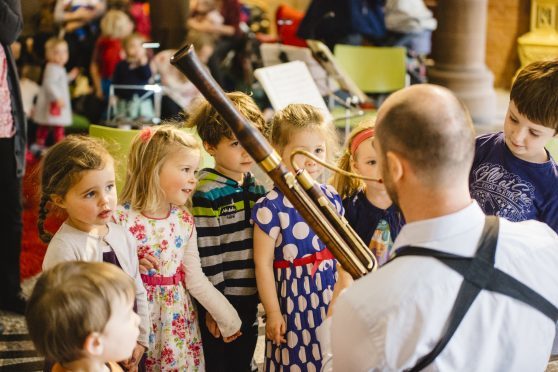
<point>427,204</point>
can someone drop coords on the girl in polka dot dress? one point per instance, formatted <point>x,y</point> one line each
<point>295,272</point>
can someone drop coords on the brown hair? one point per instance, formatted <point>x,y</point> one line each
<point>71,301</point>
<point>61,168</point>
<point>211,126</point>
<point>347,186</point>
<point>534,93</point>
<point>299,116</point>
<point>148,152</point>
<point>435,136</point>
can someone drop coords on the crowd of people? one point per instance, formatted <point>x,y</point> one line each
<point>200,271</point>
<point>168,275</point>
<point>78,49</point>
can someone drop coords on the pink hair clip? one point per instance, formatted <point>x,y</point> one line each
<point>145,134</point>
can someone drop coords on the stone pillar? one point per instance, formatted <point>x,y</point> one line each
<point>459,48</point>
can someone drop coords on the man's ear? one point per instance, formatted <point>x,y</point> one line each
<point>93,344</point>
<point>209,148</point>
<point>394,166</point>
<point>57,200</point>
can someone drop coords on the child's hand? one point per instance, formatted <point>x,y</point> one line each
<point>132,363</point>
<point>233,337</point>
<point>275,328</point>
<point>72,75</point>
<point>148,262</point>
<point>212,326</point>
<point>143,59</point>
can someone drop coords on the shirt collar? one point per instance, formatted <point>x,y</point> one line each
<point>440,228</point>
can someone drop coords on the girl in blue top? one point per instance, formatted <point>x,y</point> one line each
<point>295,272</point>
<point>368,207</point>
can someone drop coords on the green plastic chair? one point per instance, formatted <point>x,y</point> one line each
<point>552,147</point>
<point>119,141</point>
<point>373,69</point>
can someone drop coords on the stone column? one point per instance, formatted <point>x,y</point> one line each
<point>459,47</point>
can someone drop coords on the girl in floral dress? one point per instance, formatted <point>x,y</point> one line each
<point>295,272</point>
<point>160,180</point>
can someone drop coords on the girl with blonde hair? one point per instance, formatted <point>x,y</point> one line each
<point>115,26</point>
<point>368,207</point>
<point>160,180</point>
<point>295,272</point>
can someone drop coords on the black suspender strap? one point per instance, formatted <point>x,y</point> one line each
<point>478,273</point>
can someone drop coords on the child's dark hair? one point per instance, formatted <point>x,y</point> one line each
<point>61,168</point>
<point>211,127</point>
<point>71,301</point>
<point>534,93</point>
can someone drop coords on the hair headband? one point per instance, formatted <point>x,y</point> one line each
<point>146,134</point>
<point>361,137</point>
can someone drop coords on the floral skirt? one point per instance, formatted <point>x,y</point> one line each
<point>174,340</point>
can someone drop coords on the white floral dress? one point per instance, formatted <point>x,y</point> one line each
<point>174,341</point>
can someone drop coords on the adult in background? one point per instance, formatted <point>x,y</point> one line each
<point>13,136</point>
<point>227,33</point>
<point>80,20</point>
<point>391,319</point>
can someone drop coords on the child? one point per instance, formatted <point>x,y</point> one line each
<point>77,175</point>
<point>221,207</point>
<point>53,110</point>
<point>81,315</point>
<point>115,26</point>
<point>180,93</point>
<point>134,70</point>
<point>161,178</point>
<point>513,175</point>
<point>368,207</point>
<point>294,270</point>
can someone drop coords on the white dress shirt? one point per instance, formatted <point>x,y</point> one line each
<point>391,318</point>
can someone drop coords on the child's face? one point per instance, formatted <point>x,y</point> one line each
<point>121,331</point>
<point>310,140</point>
<point>177,177</point>
<point>91,201</point>
<point>525,139</point>
<point>365,163</point>
<point>134,49</point>
<point>59,54</point>
<point>231,159</point>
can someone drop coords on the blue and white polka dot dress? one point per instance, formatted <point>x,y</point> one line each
<point>303,299</point>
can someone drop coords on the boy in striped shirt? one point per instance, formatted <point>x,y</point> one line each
<point>222,206</point>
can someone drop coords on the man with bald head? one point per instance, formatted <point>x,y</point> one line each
<point>393,318</point>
